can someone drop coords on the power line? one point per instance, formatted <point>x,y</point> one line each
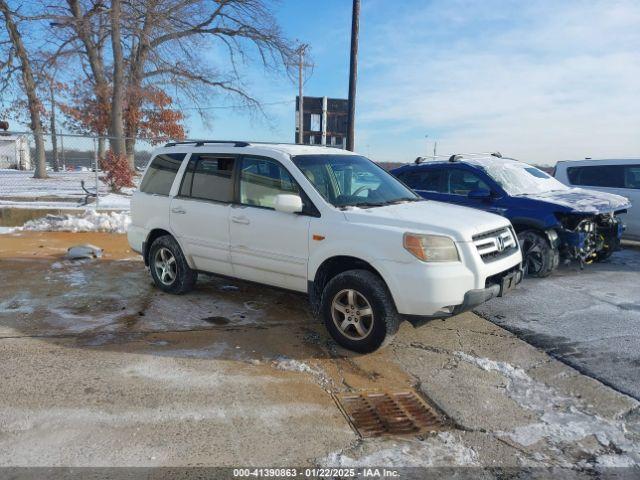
<point>229,107</point>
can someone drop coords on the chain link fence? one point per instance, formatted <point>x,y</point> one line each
<point>73,168</point>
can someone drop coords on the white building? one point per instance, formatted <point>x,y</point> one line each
<point>15,152</point>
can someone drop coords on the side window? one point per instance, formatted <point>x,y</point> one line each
<point>261,180</point>
<point>632,176</point>
<point>427,179</point>
<point>161,173</point>
<point>461,182</point>
<point>611,176</point>
<point>209,177</point>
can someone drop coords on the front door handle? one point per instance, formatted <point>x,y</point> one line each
<point>240,220</point>
<point>178,210</point>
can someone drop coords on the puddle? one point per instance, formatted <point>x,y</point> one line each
<point>217,320</point>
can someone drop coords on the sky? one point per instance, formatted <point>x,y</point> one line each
<point>538,80</point>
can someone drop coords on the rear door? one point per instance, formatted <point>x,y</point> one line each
<point>632,192</point>
<point>200,211</point>
<point>268,246</point>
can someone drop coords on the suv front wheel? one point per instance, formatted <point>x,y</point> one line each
<point>169,268</point>
<point>358,311</point>
<point>539,258</point>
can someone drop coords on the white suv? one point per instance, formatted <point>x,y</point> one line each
<point>367,250</point>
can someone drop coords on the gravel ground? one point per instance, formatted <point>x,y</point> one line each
<point>589,319</point>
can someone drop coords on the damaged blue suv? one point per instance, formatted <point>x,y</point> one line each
<point>552,221</point>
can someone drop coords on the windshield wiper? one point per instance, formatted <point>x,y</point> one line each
<point>382,204</point>
<point>364,204</point>
<point>404,199</point>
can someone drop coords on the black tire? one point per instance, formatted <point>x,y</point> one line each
<point>539,259</point>
<point>369,289</point>
<point>183,278</point>
<point>608,247</point>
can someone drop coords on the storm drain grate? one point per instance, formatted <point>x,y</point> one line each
<point>374,414</point>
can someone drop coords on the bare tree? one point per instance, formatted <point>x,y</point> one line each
<point>170,40</point>
<point>165,45</point>
<point>28,84</point>
<point>117,96</point>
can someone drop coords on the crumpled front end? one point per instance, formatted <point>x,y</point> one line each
<point>588,237</point>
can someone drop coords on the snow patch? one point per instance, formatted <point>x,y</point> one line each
<point>292,365</point>
<point>442,450</point>
<point>89,221</point>
<point>561,421</point>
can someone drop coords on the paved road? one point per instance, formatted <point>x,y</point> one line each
<point>98,368</point>
<point>589,319</point>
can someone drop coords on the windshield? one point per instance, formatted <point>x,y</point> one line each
<point>521,179</point>
<point>352,180</point>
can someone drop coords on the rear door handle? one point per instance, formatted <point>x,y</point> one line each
<point>240,220</point>
<point>178,210</point>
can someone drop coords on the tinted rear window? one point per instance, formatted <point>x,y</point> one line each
<point>428,179</point>
<point>611,176</point>
<point>209,177</point>
<point>161,173</point>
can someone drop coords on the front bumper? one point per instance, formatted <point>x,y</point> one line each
<point>497,286</point>
<point>502,285</point>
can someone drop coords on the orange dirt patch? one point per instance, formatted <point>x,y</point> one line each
<point>55,244</point>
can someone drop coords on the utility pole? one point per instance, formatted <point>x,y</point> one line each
<point>353,74</point>
<point>301,50</point>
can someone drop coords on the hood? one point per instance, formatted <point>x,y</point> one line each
<point>460,223</point>
<point>582,200</point>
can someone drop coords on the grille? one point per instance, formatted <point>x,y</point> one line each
<point>495,244</point>
<point>374,414</point>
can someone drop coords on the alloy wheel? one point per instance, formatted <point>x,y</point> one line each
<point>352,314</point>
<point>165,266</point>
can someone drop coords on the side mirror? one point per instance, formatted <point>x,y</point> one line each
<point>479,194</point>
<point>288,203</point>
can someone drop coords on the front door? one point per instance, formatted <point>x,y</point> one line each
<point>200,212</point>
<point>459,182</point>
<point>268,246</point>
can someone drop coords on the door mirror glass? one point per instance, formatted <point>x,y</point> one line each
<point>479,194</point>
<point>288,203</point>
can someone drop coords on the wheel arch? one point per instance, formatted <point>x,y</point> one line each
<point>158,232</point>
<point>332,266</point>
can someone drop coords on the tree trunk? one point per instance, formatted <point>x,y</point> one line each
<point>117,99</point>
<point>95,59</point>
<point>131,145</point>
<point>54,138</point>
<point>29,85</point>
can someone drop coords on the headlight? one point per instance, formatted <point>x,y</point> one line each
<point>431,248</point>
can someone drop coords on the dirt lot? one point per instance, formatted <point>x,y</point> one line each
<point>101,369</point>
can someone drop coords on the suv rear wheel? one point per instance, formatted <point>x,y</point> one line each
<point>358,311</point>
<point>169,268</point>
<point>539,258</point>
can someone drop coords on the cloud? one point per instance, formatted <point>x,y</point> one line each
<point>540,80</point>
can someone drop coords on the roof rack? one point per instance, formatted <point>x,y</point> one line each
<point>458,156</point>
<point>199,143</point>
<point>236,143</point>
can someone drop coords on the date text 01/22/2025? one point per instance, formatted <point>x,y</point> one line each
<point>314,472</point>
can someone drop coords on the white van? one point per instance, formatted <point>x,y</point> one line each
<point>619,176</point>
<point>367,250</point>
